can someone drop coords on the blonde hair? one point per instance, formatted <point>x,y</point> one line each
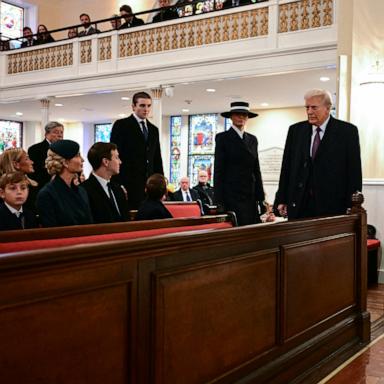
<point>54,163</point>
<point>323,93</point>
<point>8,159</point>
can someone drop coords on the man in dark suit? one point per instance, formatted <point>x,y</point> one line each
<point>321,166</point>
<point>88,28</point>
<point>54,131</point>
<point>29,39</point>
<point>106,198</point>
<point>130,19</point>
<point>237,177</point>
<point>165,14</point>
<point>138,144</point>
<point>185,193</point>
<point>204,189</point>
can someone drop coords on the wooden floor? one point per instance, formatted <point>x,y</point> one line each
<point>367,367</point>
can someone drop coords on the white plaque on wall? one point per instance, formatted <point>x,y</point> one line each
<point>270,163</point>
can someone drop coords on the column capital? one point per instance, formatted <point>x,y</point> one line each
<point>157,93</point>
<point>44,103</point>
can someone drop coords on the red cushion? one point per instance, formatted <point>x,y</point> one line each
<point>184,210</point>
<point>56,243</point>
<point>373,244</point>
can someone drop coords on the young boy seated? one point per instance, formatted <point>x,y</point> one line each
<point>14,192</point>
<point>152,208</point>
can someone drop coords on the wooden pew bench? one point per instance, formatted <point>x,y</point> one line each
<point>260,304</point>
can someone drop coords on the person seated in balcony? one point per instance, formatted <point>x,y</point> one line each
<point>204,190</point>
<point>107,199</point>
<point>130,19</point>
<point>186,9</point>
<point>28,40</point>
<point>60,202</point>
<point>72,33</point>
<point>43,36</point>
<point>165,14</point>
<point>116,23</point>
<point>152,207</point>
<point>14,193</point>
<point>185,193</point>
<point>88,28</point>
<point>236,3</point>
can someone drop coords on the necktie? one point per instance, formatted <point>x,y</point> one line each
<point>112,200</point>
<point>145,130</point>
<point>21,219</point>
<point>316,142</point>
<point>187,197</point>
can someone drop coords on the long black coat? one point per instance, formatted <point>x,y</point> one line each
<point>38,153</point>
<point>336,170</point>
<point>237,178</point>
<point>101,208</point>
<point>9,221</point>
<point>139,159</point>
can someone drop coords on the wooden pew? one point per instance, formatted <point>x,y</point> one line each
<point>260,304</point>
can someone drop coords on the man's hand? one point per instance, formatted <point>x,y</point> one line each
<point>282,208</point>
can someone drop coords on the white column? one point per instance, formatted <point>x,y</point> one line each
<point>157,108</point>
<point>44,107</point>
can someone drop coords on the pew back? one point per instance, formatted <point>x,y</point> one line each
<point>260,304</point>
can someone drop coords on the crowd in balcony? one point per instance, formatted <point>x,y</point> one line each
<point>127,19</point>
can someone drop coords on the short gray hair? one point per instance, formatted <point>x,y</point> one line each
<point>324,94</point>
<point>51,125</point>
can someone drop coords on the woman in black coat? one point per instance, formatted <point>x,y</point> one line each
<point>61,202</point>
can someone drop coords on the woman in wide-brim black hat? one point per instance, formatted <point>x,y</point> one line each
<point>237,177</point>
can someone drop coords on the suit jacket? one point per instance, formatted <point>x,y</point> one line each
<point>91,31</point>
<point>206,193</point>
<point>237,179</point>
<point>178,195</point>
<point>228,3</point>
<point>167,14</point>
<point>101,208</point>
<point>136,22</point>
<point>152,210</point>
<point>334,175</point>
<point>140,159</point>
<point>9,221</point>
<point>38,154</point>
<point>60,205</point>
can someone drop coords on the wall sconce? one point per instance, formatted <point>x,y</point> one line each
<point>168,90</point>
<point>376,76</point>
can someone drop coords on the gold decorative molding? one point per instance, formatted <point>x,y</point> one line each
<point>105,48</point>
<point>85,51</point>
<point>305,14</point>
<point>216,29</point>
<point>39,59</point>
<point>157,93</point>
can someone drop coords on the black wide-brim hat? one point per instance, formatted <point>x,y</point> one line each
<point>65,148</point>
<point>239,107</point>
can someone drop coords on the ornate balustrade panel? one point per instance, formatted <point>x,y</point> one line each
<point>105,48</point>
<point>305,14</point>
<point>39,59</point>
<point>211,30</point>
<point>85,51</point>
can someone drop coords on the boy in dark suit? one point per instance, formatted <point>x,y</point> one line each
<point>152,208</point>
<point>14,192</point>
<point>107,199</point>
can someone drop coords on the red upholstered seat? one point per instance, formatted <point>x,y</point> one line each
<point>178,210</point>
<point>56,243</point>
<point>373,244</point>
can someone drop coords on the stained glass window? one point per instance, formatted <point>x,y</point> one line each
<point>175,134</point>
<point>103,132</point>
<point>12,20</point>
<point>227,123</point>
<point>10,134</point>
<point>202,131</point>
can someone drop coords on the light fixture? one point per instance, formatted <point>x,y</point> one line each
<point>59,105</point>
<point>264,104</point>
<point>168,90</point>
<point>324,79</point>
<point>19,113</point>
<point>125,98</point>
<point>376,76</point>
<point>211,90</point>
<point>185,110</point>
<point>71,95</point>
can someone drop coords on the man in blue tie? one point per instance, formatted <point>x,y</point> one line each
<point>321,166</point>
<point>185,193</point>
<point>138,144</point>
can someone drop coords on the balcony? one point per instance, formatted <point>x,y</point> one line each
<point>269,37</point>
